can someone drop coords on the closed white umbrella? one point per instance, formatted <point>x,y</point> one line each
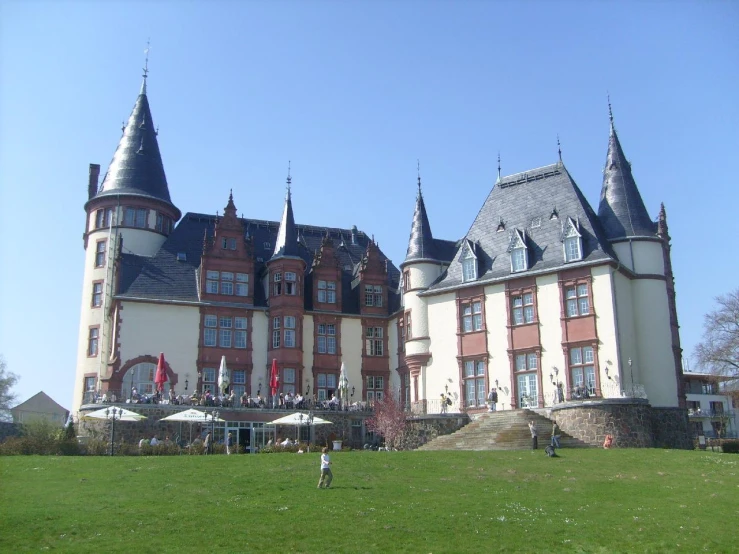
<point>223,379</point>
<point>343,386</point>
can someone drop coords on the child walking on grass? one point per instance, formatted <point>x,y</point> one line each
<point>326,475</point>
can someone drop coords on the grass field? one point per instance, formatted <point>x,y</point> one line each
<point>588,500</point>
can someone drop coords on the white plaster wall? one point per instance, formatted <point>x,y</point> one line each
<point>392,342</point>
<point>351,351</point>
<point>655,364</point>
<point>423,274</point>
<point>550,329</point>
<point>648,257</point>
<point>605,322</point>
<point>141,241</point>
<point>148,329</point>
<point>498,364</point>
<point>442,368</point>
<point>308,345</point>
<point>628,346</point>
<point>259,341</point>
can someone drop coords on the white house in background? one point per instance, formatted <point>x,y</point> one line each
<point>40,406</point>
<point>710,409</point>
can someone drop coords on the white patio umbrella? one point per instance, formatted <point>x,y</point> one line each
<point>192,416</point>
<point>223,379</point>
<point>121,414</point>
<point>343,386</point>
<point>298,419</point>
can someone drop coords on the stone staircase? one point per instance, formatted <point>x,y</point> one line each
<point>502,430</point>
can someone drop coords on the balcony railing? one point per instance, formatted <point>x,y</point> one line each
<point>698,413</point>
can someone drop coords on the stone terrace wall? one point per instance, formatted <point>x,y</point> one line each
<point>671,428</point>
<point>629,421</point>
<point>423,429</point>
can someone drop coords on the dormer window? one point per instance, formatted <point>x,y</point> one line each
<point>518,251</point>
<point>469,262</point>
<point>228,243</point>
<point>572,241</point>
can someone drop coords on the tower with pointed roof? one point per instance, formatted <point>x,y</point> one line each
<point>132,207</point>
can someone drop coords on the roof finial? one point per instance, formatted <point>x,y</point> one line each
<point>418,170</point>
<point>610,110</point>
<point>146,68</point>
<point>559,149</point>
<point>498,165</point>
<point>289,179</point>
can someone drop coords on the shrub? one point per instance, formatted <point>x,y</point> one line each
<point>730,447</point>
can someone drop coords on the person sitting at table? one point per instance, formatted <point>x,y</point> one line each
<point>333,404</point>
<point>299,401</point>
<point>289,400</point>
<point>245,400</point>
<point>232,398</point>
<point>208,399</point>
<point>260,401</point>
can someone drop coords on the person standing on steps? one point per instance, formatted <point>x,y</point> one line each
<point>493,399</point>
<point>534,435</point>
<point>555,435</point>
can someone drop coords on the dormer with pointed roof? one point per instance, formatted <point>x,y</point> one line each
<point>621,211</point>
<point>287,238</point>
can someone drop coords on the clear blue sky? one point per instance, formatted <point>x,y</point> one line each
<point>353,93</point>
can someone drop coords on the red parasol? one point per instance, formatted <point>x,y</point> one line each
<point>161,376</point>
<point>274,378</point>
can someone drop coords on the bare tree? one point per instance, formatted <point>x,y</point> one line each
<point>718,352</point>
<point>7,398</point>
<point>389,420</point>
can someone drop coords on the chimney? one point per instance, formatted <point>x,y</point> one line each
<point>354,234</point>
<point>92,183</point>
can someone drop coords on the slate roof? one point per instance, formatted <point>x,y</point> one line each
<point>136,168</point>
<point>537,201</point>
<point>621,210</point>
<point>286,243</point>
<point>421,244</point>
<point>163,277</point>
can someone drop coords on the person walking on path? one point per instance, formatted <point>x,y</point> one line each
<point>534,435</point>
<point>229,443</point>
<point>326,475</point>
<point>555,435</point>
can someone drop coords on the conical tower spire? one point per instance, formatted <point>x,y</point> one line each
<point>421,242</point>
<point>621,211</point>
<point>136,168</point>
<point>287,238</point>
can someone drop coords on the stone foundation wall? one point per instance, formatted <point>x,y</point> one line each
<point>424,429</point>
<point>629,422</point>
<point>671,428</point>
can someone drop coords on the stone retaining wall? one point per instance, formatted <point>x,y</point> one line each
<point>671,428</point>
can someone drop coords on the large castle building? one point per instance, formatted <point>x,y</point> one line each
<point>544,299</point>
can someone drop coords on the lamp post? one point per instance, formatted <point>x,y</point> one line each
<point>113,414</point>
<point>631,371</point>
<point>213,416</point>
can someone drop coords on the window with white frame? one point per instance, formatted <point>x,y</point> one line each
<point>210,331</point>
<point>471,316</point>
<point>103,217</point>
<point>373,295</point>
<point>578,302</point>
<point>212,279</point>
<point>474,383</point>
<point>327,292</point>
<point>289,331</point>
<point>326,338</point>
<point>240,332</point>
<point>227,282</point>
<point>141,377</point>
<point>100,253</point>
<point>572,242</point>
<point>375,387</point>
<point>276,332</point>
<point>209,380</point>
<point>135,217</point>
<point>523,308</point>
<point>288,380</point>
<point>242,284</point>
<point>408,326</point>
<point>238,382</point>
<point>527,362</point>
<point>325,385</point>
<point>291,285</point>
<point>582,371</point>
<point>89,384</point>
<point>225,333</point>
<point>374,341</point>
<point>97,294</point>
<point>518,259</point>
<point>277,278</point>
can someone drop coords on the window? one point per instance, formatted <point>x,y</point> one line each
<point>518,252</point>
<point>164,224</point>
<point>582,371</point>
<point>238,382</point>
<point>209,379</point>
<point>291,283</point>
<point>471,317</point>
<point>103,218</point>
<point>224,333</point>
<point>518,259</point>
<point>327,292</point>
<point>408,326</point>
<point>374,341</point>
<point>288,380</point>
<point>523,308</point>
<point>89,383</point>
<point>717,407</point>
<point>469,269</point>
<point>406,280</point>
<point>228,243</point>
<point>141,377</point>
<point>572,241</point>
<point>326,339</point>
<point>97,294</point>
<point>240,332</point>
<point>242,284</point>
<point>277,278</point>
<point>527,385</point>
<point>289,331</point>
<point>211,281</point>
<point>474,383</point>
<point>135,217</point>
<point>373,295</point>
<point>92,341</point>
<point>375,387</point>
<point>100,253</point>
<point>326,385</point>
<point>227,284</point>
<point>276,332</point>
<point>578,302</point>
<point>210,331</point>
<point>527,362</point>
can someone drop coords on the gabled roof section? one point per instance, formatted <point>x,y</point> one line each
<point>286,244</point>
<point>40,400</point>
<point>525,201</point>
<point>136,168</point>
<point>421,244</point>
<point>621,210</point>
<point>518,240</point>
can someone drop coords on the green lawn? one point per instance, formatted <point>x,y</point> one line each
<point>588,500</point>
